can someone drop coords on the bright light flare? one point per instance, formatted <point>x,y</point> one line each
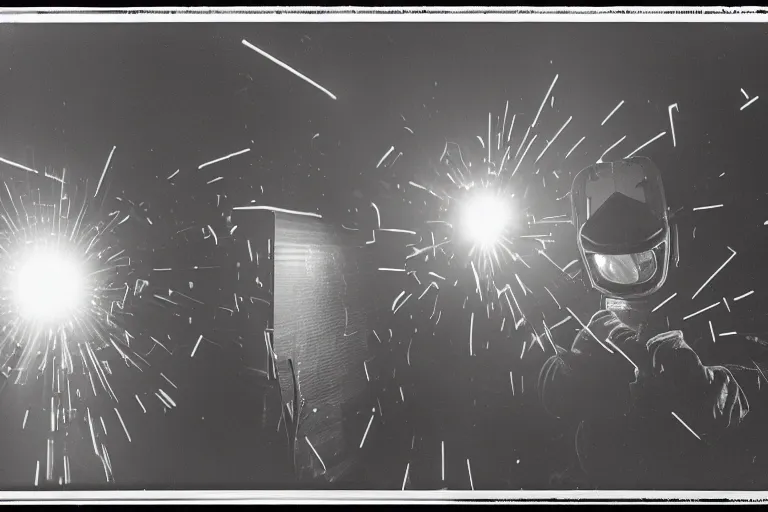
<point>485,218</point>
<point>49,285</point>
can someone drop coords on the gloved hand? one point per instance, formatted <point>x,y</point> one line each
<point>592,378</point>
<point>707,398</point>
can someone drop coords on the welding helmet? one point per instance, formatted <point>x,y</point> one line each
<point>620,214</point>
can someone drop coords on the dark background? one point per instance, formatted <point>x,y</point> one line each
<point>172,96</point>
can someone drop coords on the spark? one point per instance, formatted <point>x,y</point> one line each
<point>141,404</point>
<point>365,366</point>
<point>749,103</point>
<point>196,345</point>
<point>37,473</point>
<point>168,398</point>
<point>702,310</point>
<point>646,144</point>
<point>725,302</point>
<point>743,296</point>
<point>733,254</point>
<point>672,123</point>
<point>392,270</point>
<point>168,380</point>
<point>471,330</point>
<point>288,68</point>
<point>524,153</point>
<point>437,276</point>
<point>225,157</point>
<point>389,152</point>
<point>711,207</point>
<point>686,426</point>
<point>561,322</point>
<point>575,146</point>
<point>125,429</point>
<point>214,180</point>
<point>406,231</point>
<point>469,470</point>
<point>665,301</point>
<point>106,166</point>
<point>280,210</point>
<point>401,304</point>
<point>366,430</point>
<point>536,119</point>
<point>553,297</point>
<point>730,333</point>
<point>612,112</point>
<point>405,478</point>
<point>215,238</point>
<point>600,160</point>
<point>442,459</point>
<point>553,139</point>
<point>174,174</point>
<point>23,425</point>
<point>18,166</point>
<point>712,331</point>
<point>746,96</point>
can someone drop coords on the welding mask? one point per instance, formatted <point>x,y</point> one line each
<point>620,215</point>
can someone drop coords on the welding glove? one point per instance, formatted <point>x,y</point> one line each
<point>707,398</point>
<point>593,378</point>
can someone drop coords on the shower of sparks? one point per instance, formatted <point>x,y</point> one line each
<point>686,426</point>
<point>733,254</point>
<point>711,207</point>
<point>612,112</point>
<point>743,296</point>
<point>288,68</point>
<point>104,172</point>
<point>59,325</point>
<point>749,103</point>
<point>226,157</point>
<point>664,302</point>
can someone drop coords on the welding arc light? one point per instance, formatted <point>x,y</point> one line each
<point>49,286</point>
<point>485,218</point>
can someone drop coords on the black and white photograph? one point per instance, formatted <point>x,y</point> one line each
<point>454,256</point>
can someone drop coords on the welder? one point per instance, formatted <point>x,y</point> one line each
<point>647,413</point>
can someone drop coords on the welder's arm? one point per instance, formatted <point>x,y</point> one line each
<point>589,380</point>
<point>707,398</point>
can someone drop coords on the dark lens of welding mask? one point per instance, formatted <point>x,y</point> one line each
<point>626,269</point>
